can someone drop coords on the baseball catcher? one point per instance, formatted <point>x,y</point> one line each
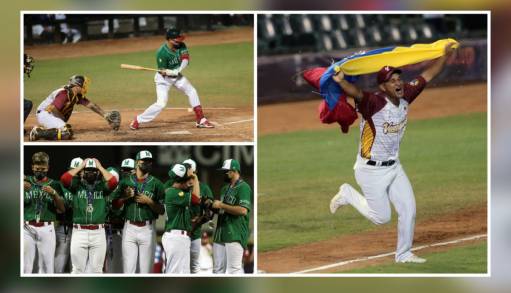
<point>54,112</point>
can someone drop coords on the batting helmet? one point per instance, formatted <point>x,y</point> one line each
<point>174,34</point>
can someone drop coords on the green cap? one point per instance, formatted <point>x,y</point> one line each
<point>144,155</point>
<point>231,165</point>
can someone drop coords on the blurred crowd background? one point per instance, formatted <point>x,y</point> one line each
<point>290,43</point>
<point>72,28</point>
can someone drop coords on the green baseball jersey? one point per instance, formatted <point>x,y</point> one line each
<point>177,206</point>
<point>231,228</point>
<point>151,187</point>
<point>205,192</point>
<point>38,204</point>
<point>167,58</point>
<point>89,201</point>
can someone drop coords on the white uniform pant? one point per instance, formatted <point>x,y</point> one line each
<point>49,121</point>
<point>88,247</point>
<point>177,252</point>
<point>382,186</point>
<point>138,244</point>
<point>63,249</point>
<point>227,257</point>
<point>195,249</point>
<point>163,85</point>
<point>40,240</point>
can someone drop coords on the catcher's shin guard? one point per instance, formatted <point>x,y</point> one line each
<point>37,133</point>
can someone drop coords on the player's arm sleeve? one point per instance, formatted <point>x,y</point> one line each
<point>370,104</point>
<point>414,88</point>
<point>245,197</point>
<point>185,55</point>
<point>84,101</point>
<point>183,65</point>
<point>70,182</point>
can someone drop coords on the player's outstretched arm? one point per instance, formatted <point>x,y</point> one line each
<point>95,108</point>
<point>437,66</point>
<point>350,89</point>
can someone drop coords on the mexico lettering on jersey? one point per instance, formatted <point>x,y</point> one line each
<point>383,124</point>
<point>64,101</point>
<point>38,205</point>
<point>170,58</point>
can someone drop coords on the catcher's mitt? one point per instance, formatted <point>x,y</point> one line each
<point>114,119</point>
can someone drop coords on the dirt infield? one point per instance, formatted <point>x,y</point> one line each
<point>129,45</point>
<point>467,222</point>
<point>432,103</point>
<point>172,125</point>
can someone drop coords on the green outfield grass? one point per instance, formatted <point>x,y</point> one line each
<point>299,172</point>
<point>470,259</point>
<point>222,75</point>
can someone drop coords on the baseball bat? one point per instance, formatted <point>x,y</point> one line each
<point>136,67</point>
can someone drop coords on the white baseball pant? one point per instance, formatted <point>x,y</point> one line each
<point>163,85</point>
<point>138,245</point>
<point>177,252</point>
<point>227,257</point>
<point>49,121</point>
<point>88,247</point>
<point>63,249</point>
<point>40,240</point>
<point>195,248</point>
<point>379,185</point>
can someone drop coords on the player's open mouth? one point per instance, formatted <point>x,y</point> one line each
<point>398,90</point>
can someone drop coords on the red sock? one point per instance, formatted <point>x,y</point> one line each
<point>198,113</point>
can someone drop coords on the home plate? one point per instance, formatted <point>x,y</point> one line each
<point>183,132</point>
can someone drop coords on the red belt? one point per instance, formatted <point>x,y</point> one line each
<point>141,223</point>
<point>38,224</point>
<point>87,227</point>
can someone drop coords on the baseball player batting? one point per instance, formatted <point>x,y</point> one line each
<point>172,58</point>
<point>141,196</point>
<point>88,242</point>
<point>378,170</point>
<point>183,193</point>
<point>41,202</point>
<point>54,112</point>
<point>232,231</point>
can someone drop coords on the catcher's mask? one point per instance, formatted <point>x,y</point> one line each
<point>175,35</point>
<point>81,81</point>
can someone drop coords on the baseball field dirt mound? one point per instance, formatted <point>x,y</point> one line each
<point>466,222</point>
<point>432,103</point>
<point>172,125</point>
<point>128,45</point>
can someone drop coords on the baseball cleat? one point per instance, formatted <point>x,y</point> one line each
<point>412,259</point>
<point>32,136</point>
<point>338,200</point>
<point>134,124</point>
<point>204,123</point>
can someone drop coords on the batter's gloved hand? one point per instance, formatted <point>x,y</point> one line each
<point>171,72</point>
<point>114,119</point>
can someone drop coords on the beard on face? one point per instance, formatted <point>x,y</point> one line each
<point>227,179</point>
